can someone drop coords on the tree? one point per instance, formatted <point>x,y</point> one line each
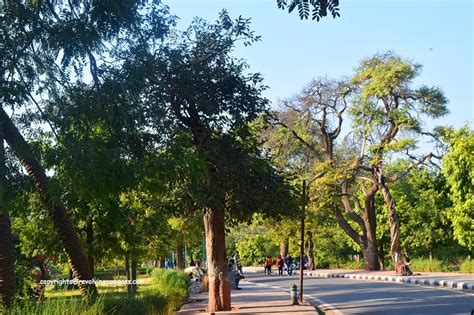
<point>314,120</point>
<point>319,8</point>
<point>47,46</point>
<point>383,107</point>
<point>385,113</point>
<point>211,99</point>
<point>458,169</point>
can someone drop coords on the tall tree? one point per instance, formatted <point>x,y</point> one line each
<point>47,45</point>
<point>314,120</point>
<point>386,112</point>
<point>209,96</point>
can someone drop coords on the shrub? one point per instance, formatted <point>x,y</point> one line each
<point>172,285</point>
<point>427,265</point>
<point>354,265</point>
<point>467,266</point>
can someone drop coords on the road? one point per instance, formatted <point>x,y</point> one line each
<point>372,297</point>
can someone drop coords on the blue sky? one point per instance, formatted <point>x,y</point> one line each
<point>435,33</point>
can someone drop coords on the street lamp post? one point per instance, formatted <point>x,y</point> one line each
<point>303,206</point>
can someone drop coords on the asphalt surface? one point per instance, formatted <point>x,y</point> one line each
<point>347,296</point>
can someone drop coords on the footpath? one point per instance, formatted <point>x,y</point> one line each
<point>252,299</point>
<point>260,299</point>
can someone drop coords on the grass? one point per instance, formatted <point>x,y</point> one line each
<point>427,265</point>
<point>354,265</point>
<point>163,293</point>
<point>467,266</point>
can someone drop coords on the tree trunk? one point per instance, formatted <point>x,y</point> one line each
<point>367,223</point>
<point>381,254</point>
<point>284,248</point>
<point>219,281</point>
<point>90,244</point>
<point>61,220</point>
<point>7,259</point>
<point>7,250</point>
<point>369,249</point>
<point>310,250</point>
<point>395,246</point>
<point>134,274</point>
<point>179,256</point>
<point>371,256</point>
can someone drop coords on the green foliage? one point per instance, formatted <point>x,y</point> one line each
<point>467,266</point>
<point>428,265</point>
<point>173,286</point>
<point>385,104</point>
<point>354,265</point>
<point>458,169</point>
<point>317,8</point>
<point>422,198</point>
<point>253,249</point>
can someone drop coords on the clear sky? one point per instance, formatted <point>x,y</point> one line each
<point>435,33</point>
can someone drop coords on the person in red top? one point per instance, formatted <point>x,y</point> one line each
<point>280,263</point>
<point>268,265</point>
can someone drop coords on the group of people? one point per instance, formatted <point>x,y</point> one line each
<point>281,263</point>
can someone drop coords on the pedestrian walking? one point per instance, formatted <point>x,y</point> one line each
<point>289,264</point>
<point>268,265</point>
<point>280,263</point>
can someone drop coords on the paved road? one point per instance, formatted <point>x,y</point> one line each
<point>369,297</point>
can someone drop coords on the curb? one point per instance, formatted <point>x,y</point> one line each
<point>465,286</point>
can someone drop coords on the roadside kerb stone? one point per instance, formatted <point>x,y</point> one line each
<point>466,286</point>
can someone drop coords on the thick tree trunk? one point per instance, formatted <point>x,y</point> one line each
<point>367,223</point>
<point>395,246</point>
<point>179,256</point>
<point>219,281</point>
<point>310,250</point>
<point>61,220</point>
<point>7,259</point>
<point>7,251</point>
<point>284,247</point>
<point>369,250</point>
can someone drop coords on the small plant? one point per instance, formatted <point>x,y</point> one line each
<point>467,266</point>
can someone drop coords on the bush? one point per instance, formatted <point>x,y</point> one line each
<point>467,266</point>
<point>173,286</point>
<point>354,265</point>
<point>146,302</point>
<point>427,265</point>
